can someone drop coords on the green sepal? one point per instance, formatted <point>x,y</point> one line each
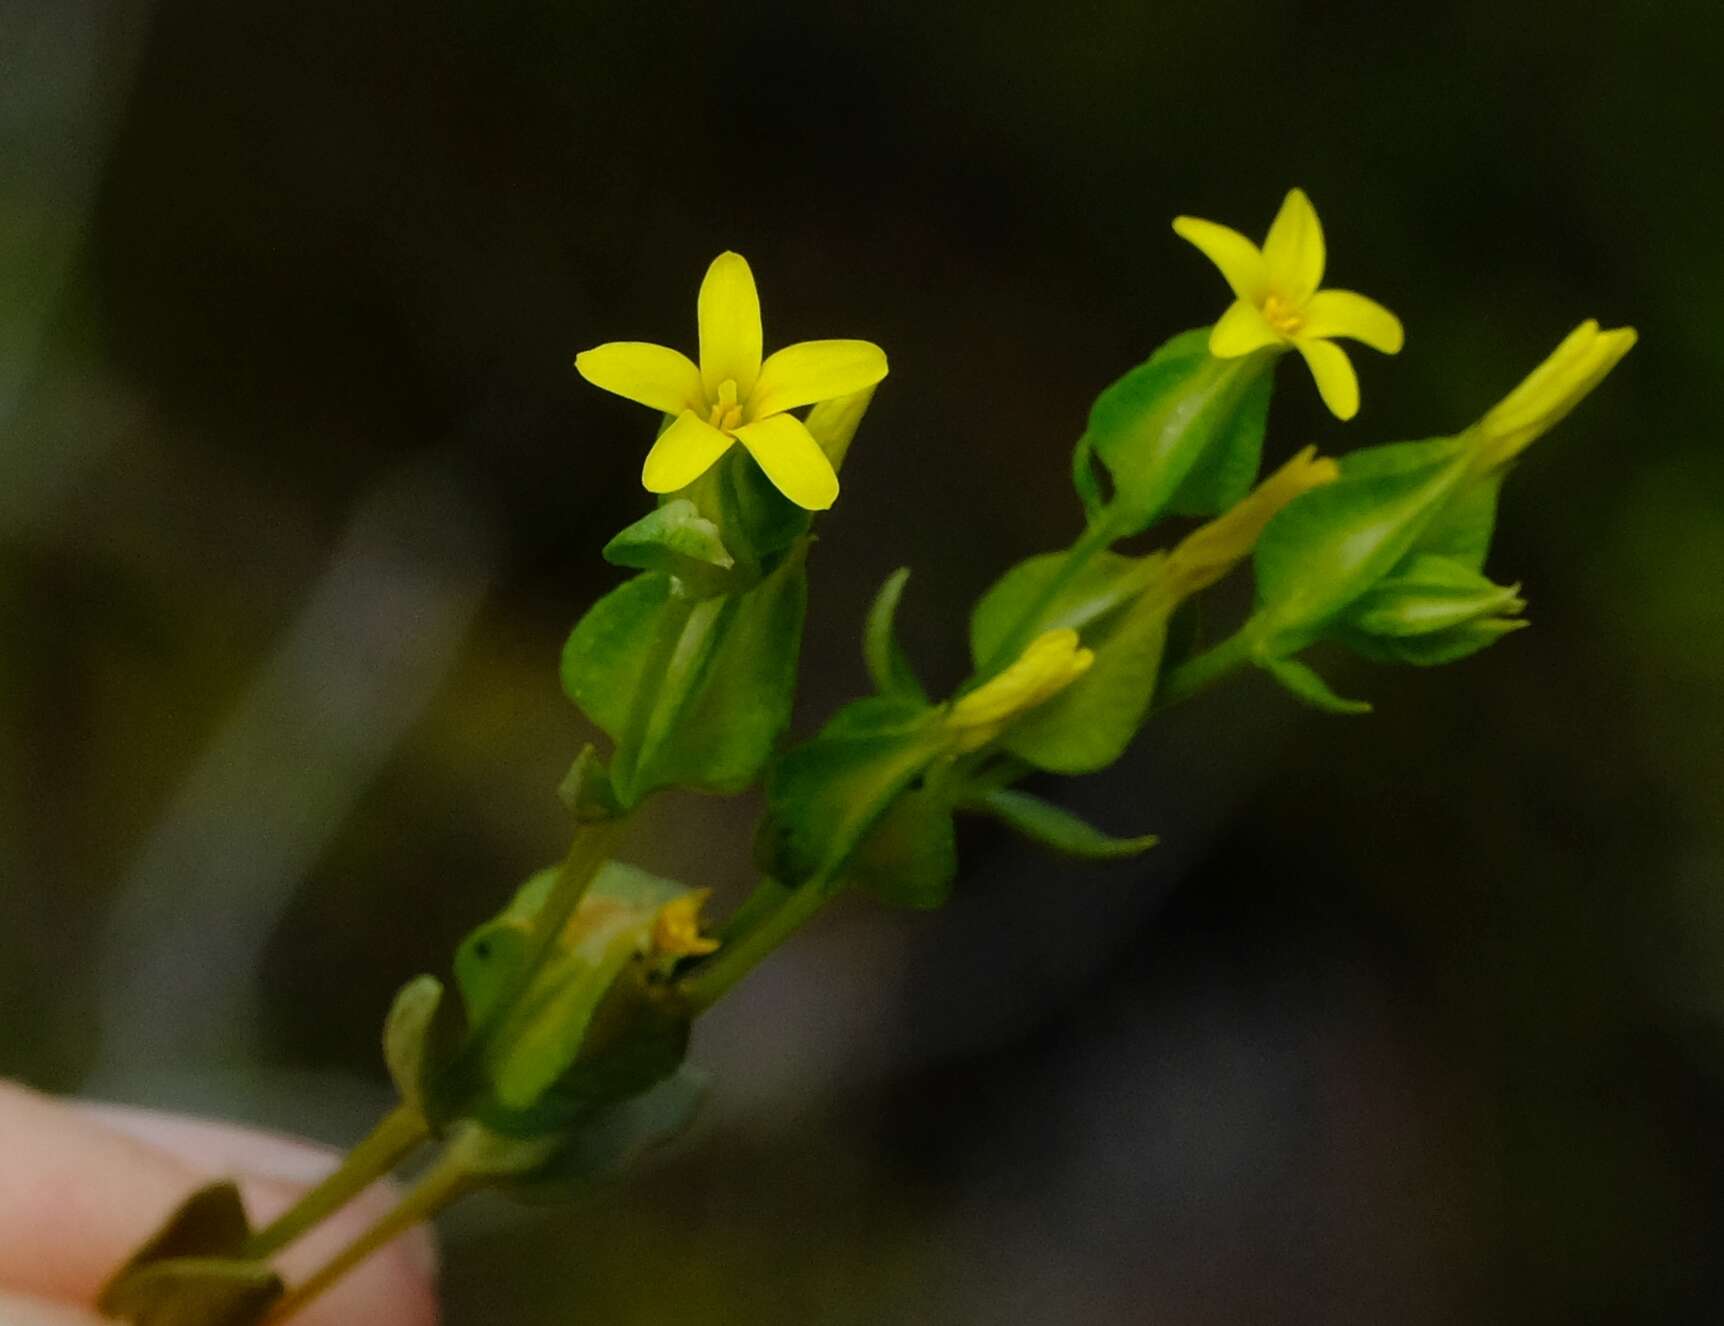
<point>586,789</point>
<point>1428,594</point>
<point>192,1271</point>
<point>675,538</point>
<point>1055,828</point>
<point>1328,546</point>
<point>911,857</point>
<point>826,795</point>
<point>888,666</point>
<point>1436,648</point>
<point>833,423</point>
<point>421,1037</point>
<point>1303,683</point>
<point>1182,433</point>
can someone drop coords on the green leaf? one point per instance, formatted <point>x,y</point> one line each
<point>1330,545</point>
<point>1182,432</point>
<point>194,1291</point>
<point>825,796</point>
<point>676,539</point>
<point>1055,828</point>
<point>726,695</point>
<point>1462,529</point>
<point>1304,683</point>
<point>911,857</point>
<point>1088,725</point>
<point>1049,591</point>
<point>888,667</point>
<point>601,664</point>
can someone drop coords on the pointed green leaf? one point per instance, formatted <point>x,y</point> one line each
<point>420,1038</point>
<point>825,796</point>
<point>888,667</point>
<point>1182,432</point>
<point>194,1291</point>
<point>601,664</point>
<point>1050,591</point>
<point>1330,545</point>
<point>1055,828</point>
<point>1304,683</point>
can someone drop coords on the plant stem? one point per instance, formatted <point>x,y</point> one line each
<point>702,987</point>
<point>396,1136</point>
<point>446,1180</point>
<point>1207,668</point>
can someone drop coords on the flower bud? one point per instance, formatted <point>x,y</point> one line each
<point>1549,392</point>
<point>1053,661</point>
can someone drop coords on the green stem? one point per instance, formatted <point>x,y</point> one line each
<point>397,1136</point>
<point>702,987</point>
<point>446,1180</point>
<point>1204,670</point>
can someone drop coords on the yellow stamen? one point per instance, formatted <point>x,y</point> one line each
<point>726,414</point>
<point>1283,315</point>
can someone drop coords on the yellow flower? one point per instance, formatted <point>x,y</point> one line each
<point>733,396</point>
<point>1550,391</point>
<point>1278,301</point>
<point>1053,661</point>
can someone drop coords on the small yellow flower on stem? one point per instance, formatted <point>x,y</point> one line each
<point>1278,303</point>
<point>676,928</point>
<point>1053,661</point>
<point>735,396</point>
<point>1550,391</point>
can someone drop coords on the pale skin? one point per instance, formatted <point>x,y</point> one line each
<point>81,1185</point>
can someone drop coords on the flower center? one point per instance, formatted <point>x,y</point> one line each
<point>1283,315</point>
<point>725,414</point>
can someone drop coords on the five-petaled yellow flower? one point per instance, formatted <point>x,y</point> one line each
<point>733,396</point>
<point>1278,300</point>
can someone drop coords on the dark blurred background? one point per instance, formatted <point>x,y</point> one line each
<point>1417,1018</point>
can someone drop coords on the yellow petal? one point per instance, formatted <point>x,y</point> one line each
<point>1293,252</point>
<point>1336,382</point>
<point>1237,257</point>
<point>683,452</point>
<point>1211,551</point>
<point>1242,329</point>
<point>792,459</point>
<point>676,928</point>
<point>1551,390</point>
<point>729,309</point>
<point>641,371</point>
<point>815,371</point>
<point>1343,313</point>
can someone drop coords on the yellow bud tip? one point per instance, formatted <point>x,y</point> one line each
<point>676,928</point>
<point>1051,662</point>
<point>1550,391</point>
